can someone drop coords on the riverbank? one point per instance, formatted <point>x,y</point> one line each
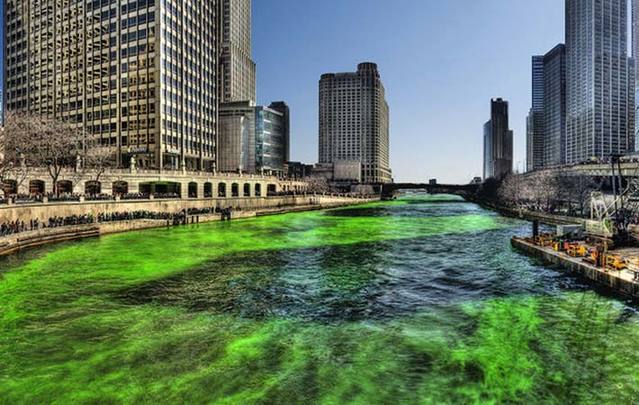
<point>623,282</point>
<point>262,207</point>
<point>527,215</point>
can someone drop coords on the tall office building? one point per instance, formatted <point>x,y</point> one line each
<point>139,76</point>
<point>253,138</point>
<point>554,146</point>
<point>354,123</point>
<point>498,142</point>
<point>535,121</point>
<point>282,107</point>
<point>600,80</point>
<point>237,69</point>
<point>546,123</point>
<point>635,57</point>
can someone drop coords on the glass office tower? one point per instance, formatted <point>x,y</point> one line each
<point>600,80</point>
<point>535,120</point>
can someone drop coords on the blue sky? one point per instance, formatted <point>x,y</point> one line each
<point>441,62</point>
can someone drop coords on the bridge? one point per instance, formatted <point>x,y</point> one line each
<point>464,191</point>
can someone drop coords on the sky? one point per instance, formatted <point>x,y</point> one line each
<point>440,61</point>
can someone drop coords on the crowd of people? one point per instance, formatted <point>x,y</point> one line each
<point>72,220</point>
<point>13,227</point>
<point>133,216</point>
<point>63,197</point>
<point>99,197</point>
<point>134,196</point>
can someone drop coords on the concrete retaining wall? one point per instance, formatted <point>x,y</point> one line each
<point>251,207</point>
<point>43,212</point>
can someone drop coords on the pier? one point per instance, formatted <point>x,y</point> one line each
<point>623,282</point>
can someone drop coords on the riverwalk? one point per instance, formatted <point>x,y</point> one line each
<point>25,240</point>
<point>622,282</point>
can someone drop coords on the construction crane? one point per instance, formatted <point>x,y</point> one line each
<point>611,220</point>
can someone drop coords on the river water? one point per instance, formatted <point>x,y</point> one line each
<point>419,300</point>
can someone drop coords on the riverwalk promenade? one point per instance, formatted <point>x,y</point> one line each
<point>164,213</point>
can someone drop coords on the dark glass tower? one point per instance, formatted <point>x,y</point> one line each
<point>498,141</point>
<point>535,121</point>
<point>554,146</point>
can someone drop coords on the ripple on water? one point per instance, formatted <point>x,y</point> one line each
<point>415,301</point>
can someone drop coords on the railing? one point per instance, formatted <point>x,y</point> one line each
<point>81,198</point>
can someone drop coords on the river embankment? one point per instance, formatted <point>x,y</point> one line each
<point>241,208</point>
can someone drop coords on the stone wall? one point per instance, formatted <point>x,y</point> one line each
<point>45,211</point>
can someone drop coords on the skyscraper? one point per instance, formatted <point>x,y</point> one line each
<point>237,69</point>
<point>535,121</point>
<point>253,138</point>
<point>554,146</point>
<point>600,80</point>
<point>353,122</point>
<point>139,76</point>
<point>635,58</point>
<point>498,141</point>
<point>282,107</point>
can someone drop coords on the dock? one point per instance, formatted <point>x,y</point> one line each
<point>623,283</point>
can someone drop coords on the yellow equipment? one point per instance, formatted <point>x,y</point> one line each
<point>616,262</point>
<point>577,250</point>
<point>545,240</point>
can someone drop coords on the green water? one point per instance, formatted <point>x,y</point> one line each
<point>420,300</point>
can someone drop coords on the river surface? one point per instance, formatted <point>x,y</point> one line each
<point>420,300</point>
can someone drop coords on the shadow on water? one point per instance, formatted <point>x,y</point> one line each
<point>366,281</point>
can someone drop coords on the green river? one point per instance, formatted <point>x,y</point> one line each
<point>420,300</point>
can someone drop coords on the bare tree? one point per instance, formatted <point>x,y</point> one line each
<point>537,191</point>
<point>96,161</point>
<point>512,191</point>
<point>542,190</point>
<point>576,190</point>
<point>13,167</point>
<point>49,143</point>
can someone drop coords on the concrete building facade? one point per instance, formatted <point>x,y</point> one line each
<point>498,142</point>
<point>139,76</point>
<point>253,138</point>
<point>354,122</point>
<point>600,80</point>
<point>237,69</point>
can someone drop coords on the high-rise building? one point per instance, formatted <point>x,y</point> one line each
<point>252,138</point>
<point>635,58</point>
<point>139,76</point>
<point>554,146</point>
<point>600,80</point>
<point>546,123</point>
<point>282,107</point>
<point>237,69</point>
<point>498,142</point>
<point>354,123</point>
<point>535,121</point>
